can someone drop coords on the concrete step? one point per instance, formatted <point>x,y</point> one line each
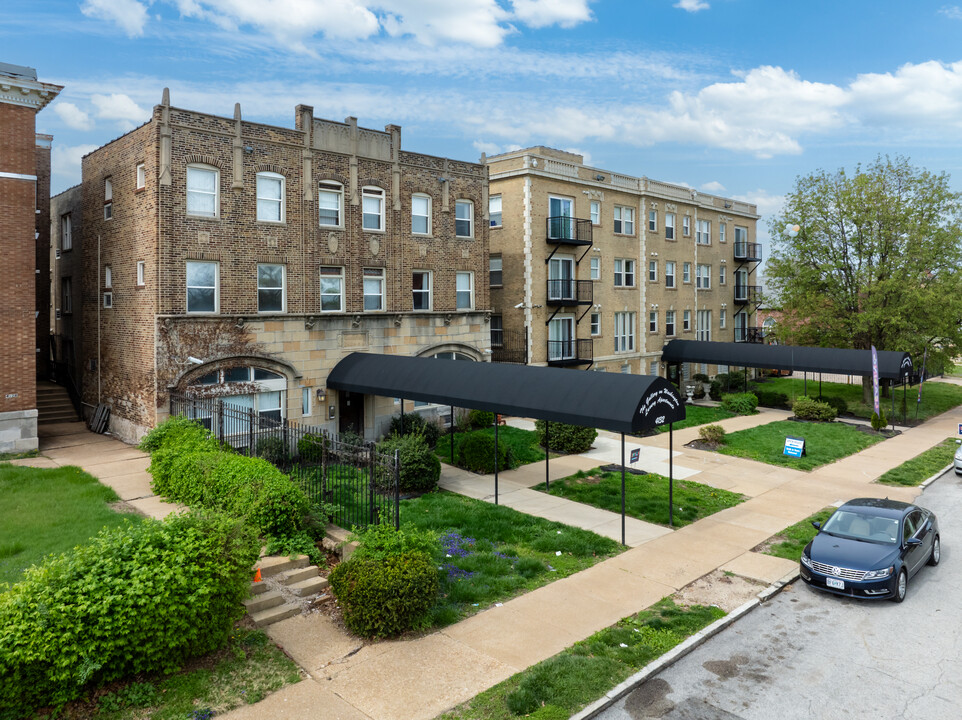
<point>56,418</point>
<point>264,601</point>
<point>274,614</point>
<point>273,565</point>
<point>259,588</point>
<point>289,577</point>
<point>310,586</point>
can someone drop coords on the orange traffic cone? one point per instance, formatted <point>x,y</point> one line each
<point>257,575</point>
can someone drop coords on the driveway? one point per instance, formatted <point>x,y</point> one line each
<point>809,655</point>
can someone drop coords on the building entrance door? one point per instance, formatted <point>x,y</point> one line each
<point>351,412</point>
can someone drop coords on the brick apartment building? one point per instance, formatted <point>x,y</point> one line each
<point>66,277</point>
<point>229,258</point>
<point>593,269</point>
<point>24,244</point>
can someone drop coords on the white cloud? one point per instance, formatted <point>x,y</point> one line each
<point>713,187</point>
<point>130,15</point>
<point>954,12</point>
<point>692,6</point>
<point>542,13</point>
<point>65,161</point>
<point>928,93</point>
<point>72,116</point>
<point>119,107</point>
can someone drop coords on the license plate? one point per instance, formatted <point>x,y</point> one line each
<point>833,583</point>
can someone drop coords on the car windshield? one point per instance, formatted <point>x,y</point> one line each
<point>863,527</point>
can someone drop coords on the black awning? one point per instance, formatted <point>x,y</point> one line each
<point>615,402</point>
<point>891,364</point>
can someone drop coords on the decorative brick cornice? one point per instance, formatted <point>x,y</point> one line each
<point>270,167</point>
<point>198,159</point>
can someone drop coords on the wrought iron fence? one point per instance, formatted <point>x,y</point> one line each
<point>360,482</point>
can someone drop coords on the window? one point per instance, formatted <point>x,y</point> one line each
<point>596,323</point>
<point>494,270</point>
<point>652,271</point>
<point>66,295</point>
<point>721,275</point>
<point>722,319</point>
<point>270,288</point>
<point>624,331</point>
<point>332,289</point>
<point>264,393</point>
<point>703,327</point>
<point>653,220</point>
<point>703,277</point>
<point>141,176</point>
<point>421,284</point>
<point>140,272</point>
<point>373,288</point>
<point>626,369</point>
<point>595,212</point>
<point>494,210</point>
<point>653,367</point>
<point>741,234</point>
<point>561,273</point>
<point>497,331</point>
<point>464,218</point>
<point>270,197</point>
<point>108,199</point>
<point>66,232</point>
<point>624,220</point>
<point>686,321</point>
<point>201,287</point>
<point>624,273</point>
<point>330,199</point>
<point>768,326</point>
<point>560,226</point>
<point>721,232</point>
<point>202,185</point>
<point>686,272</point>
<point>595,267</point>
<point>653,321</point>
<point>669,323</point>
<point>561,338</point>
<point>686,225</point>
<point>669,274</point>
<point>108,300</point>
<point>464,286</point>
<point>108,277</point>
<point>669,226</point>
<point>703,232</point>
<point>372,209</point>
<point>305,402</point>
<point>421,214</point>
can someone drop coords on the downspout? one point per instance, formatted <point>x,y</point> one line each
<point>99,358</point>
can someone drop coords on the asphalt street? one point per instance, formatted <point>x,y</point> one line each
<point>806,654</point>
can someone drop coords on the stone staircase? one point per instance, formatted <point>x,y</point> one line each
<point>287,588</point>
<point>53,404</point>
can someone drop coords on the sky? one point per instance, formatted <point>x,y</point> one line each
<point>733,97</point>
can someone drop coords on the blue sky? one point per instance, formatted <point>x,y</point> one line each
<point>736,97</point>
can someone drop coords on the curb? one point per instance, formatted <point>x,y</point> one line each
<point>928,481</point>
<point>681,650</point>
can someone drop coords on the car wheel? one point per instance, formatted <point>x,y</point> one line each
<point>936,552</point>
<point>901,586</point>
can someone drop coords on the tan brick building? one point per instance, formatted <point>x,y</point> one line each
<point>232,258</point>
<point>24,243</point>
<point>593,269</point>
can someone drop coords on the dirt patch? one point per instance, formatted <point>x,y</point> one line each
<point>725,590</point>
<point>766,545</point>
<point>702,445</point>
<point>122,506</point>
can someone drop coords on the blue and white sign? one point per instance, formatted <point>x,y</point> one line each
<point>636,453</point>
<point>795,447</point>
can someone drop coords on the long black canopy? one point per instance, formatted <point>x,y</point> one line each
<point>891,364</point>
<point>615,402</point>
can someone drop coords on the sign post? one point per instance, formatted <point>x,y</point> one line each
<point>875,380</point>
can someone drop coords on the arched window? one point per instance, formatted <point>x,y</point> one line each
<point>247,388</point>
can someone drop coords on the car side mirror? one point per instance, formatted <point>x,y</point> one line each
<point>913,542</point>
<point>816,525</point>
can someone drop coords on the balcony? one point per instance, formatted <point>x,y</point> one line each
<point>509,346</point>
<point>749,252</point>
<point>570,352</point>
<point>748,294</point>
<point>749,334</point>
<point>564,230</point>
<point>570,292</point>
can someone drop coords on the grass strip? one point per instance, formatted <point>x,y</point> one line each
<point>646,496</point>
<point>523,443</point>
<point>922,466</point>
<point>560,686</point>
<point>698,415</point>
<point>824,443</point>
<point>790,542</point>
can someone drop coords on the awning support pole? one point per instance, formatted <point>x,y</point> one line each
<point>623,490</point>
<point>547,450</point>
<point>496,463</point>
<point>452,434</point>
<point>402,416</point>
<point>671,472</point>
<point>820,386</point>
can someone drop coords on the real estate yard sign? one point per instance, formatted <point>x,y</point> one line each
<point>875,379</point>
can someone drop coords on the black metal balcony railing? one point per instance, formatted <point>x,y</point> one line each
<point>509,346</point>
<point>749,251</point>
<point>748,294</point>
<point>571,352</point>
<point>749,334</point>
<point>566,230</point>
<point>570,292</point>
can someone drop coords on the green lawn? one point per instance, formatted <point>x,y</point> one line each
<point>797,536</point>
<point>936,397</point>
<point>523,443</point>
<point>825,443</point>
<point>560,686</point>
<point>493,553</point>
<point>646,496</point>
<point>48,512</point>
<point>698,415</point>
<point>922,466</point>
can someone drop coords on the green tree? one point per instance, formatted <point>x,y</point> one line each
<point>875,261</point>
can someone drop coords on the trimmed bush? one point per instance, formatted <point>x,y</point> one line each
<point>481,418</point>
<point>382,597</point>
<point>415,424</point>
<point>566,438</point>
<point>879,421</point>
<point>714,434</point>
<point>178,431</point>
<point>771,398</point>
<point>715,390</point>
<point>420,467</point>
<point>841,407</point>
<point>740,403</point>
<point>806,408</point>
<point>700,377</point>
<point>476,453</point>
<point>137,599</point>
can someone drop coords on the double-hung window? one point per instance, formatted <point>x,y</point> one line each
<point>669,226</point>
<point>624,220</point>
<point>421,214</point>
<point>108,199</point>
<point>66,232</point>
<point>330,201</point>
<point>669,273</point>
<point>270,288</point>
<point>373,288</point>
<point>653,220</point>
<point>595,268</point>
<point>722,319</point>
<point>686,320</point>
<point>495,264</point>
<point>653,321</point>
<point>686,272</point>
<point>497,331</point>
<point>66,295</point>
<point>722,227</point>
<point>624,331</point>
<point>141,176</point>
<point>652,271</point>
<point>141,270</point>
<point>703,325</point>
<point>202,190</point>
<point>464,287</point>
<point>624,272</point>
<point>596,323</point>
<point>332,289</point>
<point>669,322</point>
<point>270,197</point>
<point>595,212</point>
<point>372,209</point>
<point>703,232</point>
<point>721,275</point>
<point>686,225</point>
<point>494,210</point>
<point>421,287</point>
<point>464,218</point>
<point>202,282</point>
<point>703,277</point>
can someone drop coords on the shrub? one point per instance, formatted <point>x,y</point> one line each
<point>734,380</point>
<point>476,453</point>
<point>381,541</point>
<point>136,599</point>
<point>806,408</point>
<point>714,434</point>
<point>740,403</point>
<point>177,431</point>
<point>566,438</point>
<point>700,377</point>
<point>311,447</point>
<point>715,390</point>
<point>414,423</point>
<point>879,421</point>
<point>481,418</point>
<point>273,449</point>
<point>841,407</point>
<point>382,597</point>
<point>771,398</point>
<point>420,467</point>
